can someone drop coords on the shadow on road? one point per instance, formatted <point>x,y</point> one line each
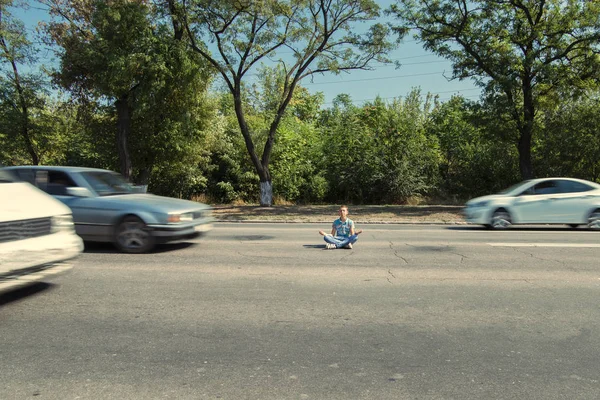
<point>24,292</point>
<point>108,248</point>
<point>313,246</point>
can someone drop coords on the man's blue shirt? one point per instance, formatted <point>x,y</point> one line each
<point>342,229</point>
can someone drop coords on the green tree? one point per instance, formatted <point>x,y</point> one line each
<point>406,160</point>
<point>379,152</point>
<point>519,50</point>
<point>570,142</point>
<point>476,157</point>
<point>295,164</point>
<point>125,53</point>
<point>235,36</point>
<point>22,95</point>
<point>350,154</point>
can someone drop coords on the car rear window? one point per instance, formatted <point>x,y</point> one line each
<point>574,187</point>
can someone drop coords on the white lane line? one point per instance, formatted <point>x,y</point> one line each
<point>544,244</point>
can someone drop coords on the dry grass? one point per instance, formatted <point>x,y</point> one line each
<point>327,213</point>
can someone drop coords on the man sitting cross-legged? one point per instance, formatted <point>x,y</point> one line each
<point>342,233</point>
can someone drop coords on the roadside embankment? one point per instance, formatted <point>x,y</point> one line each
<point>361,214</point>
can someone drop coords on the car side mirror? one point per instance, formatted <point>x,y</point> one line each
<point>79,192</point>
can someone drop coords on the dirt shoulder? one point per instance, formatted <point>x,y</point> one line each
<point>387,214</point>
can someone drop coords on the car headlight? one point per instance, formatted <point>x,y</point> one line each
<point>62,223</point>
<point>206,213</point>
<point>178,218</point>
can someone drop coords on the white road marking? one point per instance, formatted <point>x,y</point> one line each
<point>544,244</point>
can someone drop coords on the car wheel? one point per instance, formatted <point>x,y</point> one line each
<point>133,236</point>
<point>501,219</point>
<point>574,226</point>
<point>594,220</point>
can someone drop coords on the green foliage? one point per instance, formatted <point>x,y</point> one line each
<point>569,144</point>
<point>186,143</point>
<point>225,193</point>
<point>520,51</point>
<point>236,36</point>
<point>23,96</point>
<point>294,165</point>
<point>122,52</point>
<point>226,161</point>
<point>474,161</point>
<point>177,179</point>
<point>379,153</point>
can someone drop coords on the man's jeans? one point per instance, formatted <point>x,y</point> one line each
<point>340,241</point>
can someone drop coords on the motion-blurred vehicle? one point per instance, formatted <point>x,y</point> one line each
<point>107,208</point>
<point>37,237</point>
<point>567,201</point>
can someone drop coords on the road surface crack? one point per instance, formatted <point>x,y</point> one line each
<point>396,253</point>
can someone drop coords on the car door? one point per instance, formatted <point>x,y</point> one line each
<point>572,203</point>
<point>536,204</point>
<point>90,222</point>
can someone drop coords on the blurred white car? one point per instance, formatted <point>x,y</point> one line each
<point>37,236</point>
<point>567,201</point>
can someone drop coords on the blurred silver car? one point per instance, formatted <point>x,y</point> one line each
<point>106,208</point>
<point>567,201</point>
<point>37,239</point>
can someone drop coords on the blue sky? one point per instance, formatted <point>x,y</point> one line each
<point>419,69</point>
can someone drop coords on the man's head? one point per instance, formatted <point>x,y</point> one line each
<point>343,212</point>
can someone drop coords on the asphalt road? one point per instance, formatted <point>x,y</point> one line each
<point>263,311</point>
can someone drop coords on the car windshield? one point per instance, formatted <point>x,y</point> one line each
<point>107,183</point>
<point>6,177</point>
<point>513,187</point>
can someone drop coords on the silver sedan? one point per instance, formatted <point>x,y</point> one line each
<point>106,208</point>
<point>567,201</point>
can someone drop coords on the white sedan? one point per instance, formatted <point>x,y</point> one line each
<point>37,236</point>
<point>567,201</point>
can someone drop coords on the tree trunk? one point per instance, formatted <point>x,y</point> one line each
<point>24,129</point>
<point>123,129</point>
<point>266,193</point>
<point>35,160</point>
<point>525,165</point>
<point>262,169</point>
<point>144,176</point>
<point>524,146</point>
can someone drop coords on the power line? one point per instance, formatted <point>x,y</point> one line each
<point>374,79</point>
<point>395,97</point>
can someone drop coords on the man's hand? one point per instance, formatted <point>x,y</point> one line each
<point>358,232</point>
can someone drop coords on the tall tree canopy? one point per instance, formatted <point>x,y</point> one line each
<point>519,50</point>
<point>311,37</point>
<point>21,94</point>
<point>125,53</point>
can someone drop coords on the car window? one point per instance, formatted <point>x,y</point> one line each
<point>573,187</point>
<point>26,175</point>
<point>58,182</point>
<point>53,182</point>
<point>107,183</point>
<point>513,187</point>
<point>546,187</point>
<point>6,177</point>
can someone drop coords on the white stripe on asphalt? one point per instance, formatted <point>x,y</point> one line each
<point>544,244</point>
